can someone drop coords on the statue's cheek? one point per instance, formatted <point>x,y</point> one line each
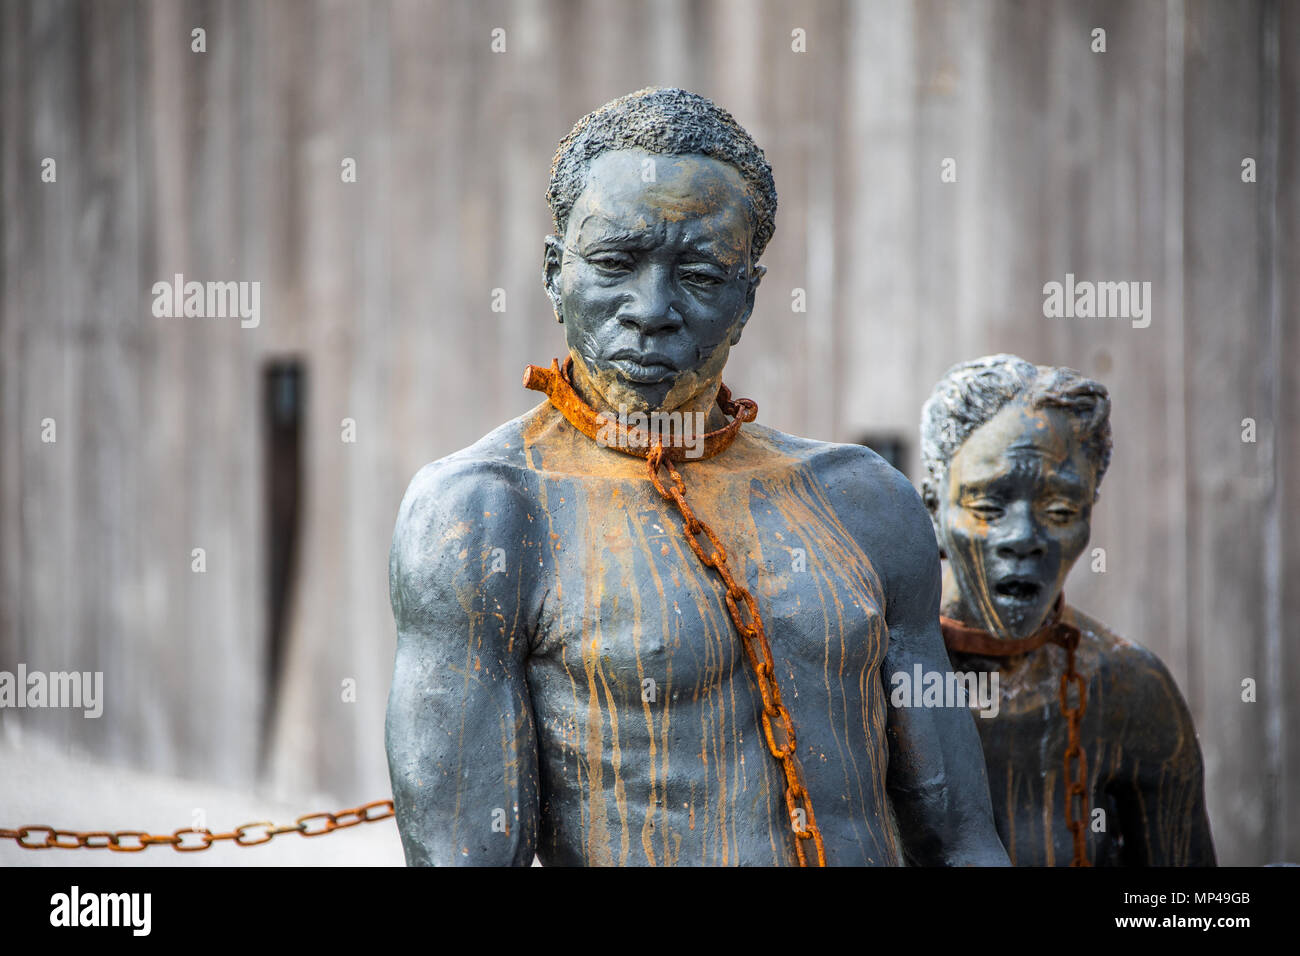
<point>965,532</point>
<point>586,306</point>
<point>966,554</point>
<point>1070,539</point>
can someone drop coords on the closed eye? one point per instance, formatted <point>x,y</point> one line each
<point>1062,513</point>
<point>700,278</point>
<point>610,263</point>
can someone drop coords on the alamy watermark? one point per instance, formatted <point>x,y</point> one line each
<point>1100,300</point>
<point>208,300</point>
<point>684,429</point>
<point>922,688</point>
<point>76,689</point>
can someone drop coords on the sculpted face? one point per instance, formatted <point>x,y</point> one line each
<point>653,280</point>
<point>1013,518</point>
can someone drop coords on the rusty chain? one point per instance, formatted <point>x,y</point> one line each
<point>759,653</point>
<point>1075,785</point>
<point>191,839</point>
<point>557,384</point>
<point>965,639</point>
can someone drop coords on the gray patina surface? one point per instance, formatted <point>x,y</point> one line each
<point>568,681</point>
<point>1014,455</point>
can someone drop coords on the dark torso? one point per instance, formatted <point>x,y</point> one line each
<point>651,749</point>
<point>1143,765</point>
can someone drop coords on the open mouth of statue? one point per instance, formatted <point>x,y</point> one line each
<point>1018,590</point>
<point>644,369</point>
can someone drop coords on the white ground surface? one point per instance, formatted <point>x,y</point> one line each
<point>39,784</point>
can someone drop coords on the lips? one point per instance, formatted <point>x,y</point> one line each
<point>1018,590</point>
<point>643,368</point>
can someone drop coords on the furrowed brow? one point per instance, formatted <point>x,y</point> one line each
<point>707,253</point>
<point>1067,484</point>
<point>634,238</point>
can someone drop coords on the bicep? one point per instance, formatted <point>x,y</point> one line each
<point>461,754</point>
<point>459,731</point>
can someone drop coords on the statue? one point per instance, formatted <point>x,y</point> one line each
<point>1091,754</point>
<point>637,628</point>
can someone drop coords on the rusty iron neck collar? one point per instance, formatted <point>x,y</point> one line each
<point>965,639</point>
<point>557,383</point>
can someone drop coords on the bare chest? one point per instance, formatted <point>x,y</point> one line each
<point>648,714</point>
<point>627,596</point>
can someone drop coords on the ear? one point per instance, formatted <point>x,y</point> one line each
<point>552,260</point>
<point>755,277</point>
<point>931,501</point>
<point>929,498</point>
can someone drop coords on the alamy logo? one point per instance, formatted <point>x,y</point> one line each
<point>102,909</point>
<point>55,689</point>
<point>685,429</point>
<point>1100,300</point>
<point>208,300</point>
<point>922,688</point>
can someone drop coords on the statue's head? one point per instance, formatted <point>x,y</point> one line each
<point>662,205</point>
<point>1014,455</point>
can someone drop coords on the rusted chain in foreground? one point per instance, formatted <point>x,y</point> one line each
<point>754,640</point>
<point>191,839</point>
<point>557,383</point>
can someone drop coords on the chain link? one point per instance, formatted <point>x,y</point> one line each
<point>754,640</point>
<point>1076,786</point>
<point>556,382</point>
<point>193,839</point>
<point>964,639</point>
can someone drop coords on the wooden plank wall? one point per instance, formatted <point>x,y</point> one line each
<point>226,165</point>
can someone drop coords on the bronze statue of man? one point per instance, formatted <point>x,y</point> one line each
<point>625,645</point>
<point>1091,754</point>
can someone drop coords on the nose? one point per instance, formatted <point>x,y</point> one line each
<point>650,307</point>
<point>1022,535</point>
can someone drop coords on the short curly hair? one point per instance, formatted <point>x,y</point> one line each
<point>971,393</point>
<point>667,122</point>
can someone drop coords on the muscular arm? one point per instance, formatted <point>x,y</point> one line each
<point>1161,790</point>
<point>937,779</point>
<point>459,733</point>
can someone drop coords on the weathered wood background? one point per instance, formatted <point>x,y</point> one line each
<point>225,165</point>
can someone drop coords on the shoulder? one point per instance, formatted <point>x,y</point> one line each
<point>1134,681</point>
<point>1118,657</point>
<point>500,452</point>
<point>492,468</point>
<point>854,473</point>
<point>457,510</point>
<point>875,502</point>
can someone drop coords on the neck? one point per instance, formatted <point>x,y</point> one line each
<point>702,398</point>
<point>965,638</point>
<point>645,442</point>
